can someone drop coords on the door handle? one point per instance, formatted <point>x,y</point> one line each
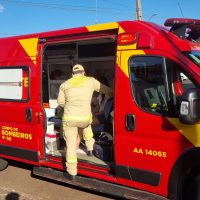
<point>29,114</point>
<point>130,122</point>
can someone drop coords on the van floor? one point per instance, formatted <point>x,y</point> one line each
<point>81,156</point>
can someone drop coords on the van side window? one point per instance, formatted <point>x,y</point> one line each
<point>148,83</point>
<point>14,83</point>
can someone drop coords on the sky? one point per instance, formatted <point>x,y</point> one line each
<point>18,17</point>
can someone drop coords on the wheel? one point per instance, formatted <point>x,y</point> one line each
<point>3,164</point>
<point>192,187</point>
<point>185,177</point>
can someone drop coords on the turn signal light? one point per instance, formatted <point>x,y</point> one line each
<point>126,38</point>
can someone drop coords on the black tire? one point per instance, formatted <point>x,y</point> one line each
<point>185,177</point>
<point>3,164</point>
<point>192,187</point>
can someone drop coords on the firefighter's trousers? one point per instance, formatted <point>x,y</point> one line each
<point>70,129</point>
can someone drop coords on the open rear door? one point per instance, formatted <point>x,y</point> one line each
<point>97,53</point>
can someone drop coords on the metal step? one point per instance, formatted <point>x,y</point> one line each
<point>96,185</point>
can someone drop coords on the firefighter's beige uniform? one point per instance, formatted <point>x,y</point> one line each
<point>75,96</point>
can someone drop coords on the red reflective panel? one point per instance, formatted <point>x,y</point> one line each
<point>144,40</point>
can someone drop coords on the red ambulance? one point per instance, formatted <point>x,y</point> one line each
<point>152,150</point>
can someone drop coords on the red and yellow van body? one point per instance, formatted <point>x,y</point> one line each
<point>144,158</point>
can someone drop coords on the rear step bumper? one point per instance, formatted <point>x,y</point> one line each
<point>96,185</point>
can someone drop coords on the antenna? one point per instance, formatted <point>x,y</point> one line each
<point>180,9</point>
<point>138,10</point>
<point>152,16</point>
<point>96,13</point>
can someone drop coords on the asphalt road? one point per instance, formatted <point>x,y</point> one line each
<point>16,183</point>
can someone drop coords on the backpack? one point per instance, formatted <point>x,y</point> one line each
<point>103,147</point>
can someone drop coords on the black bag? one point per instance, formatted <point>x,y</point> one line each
<point>59,111</point>
<point>103,147</point>
<point>57,119</point>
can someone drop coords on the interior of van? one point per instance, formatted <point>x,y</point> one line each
<point>98,58</point>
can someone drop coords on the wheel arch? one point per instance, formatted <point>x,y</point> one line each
<point>181,169</point>
<point>3,164</point>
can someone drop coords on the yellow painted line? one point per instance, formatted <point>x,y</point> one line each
<point>118,59</point>
<point>121,30</point>
<point>107,26</point>
<point>125,56</point>
<point>30,46</point>
<point>126,47</point>
<point>191,132</point>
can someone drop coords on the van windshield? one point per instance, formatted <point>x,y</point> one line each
<point>194,56</point>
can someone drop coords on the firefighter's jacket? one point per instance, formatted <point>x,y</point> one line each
<point>75,96</point>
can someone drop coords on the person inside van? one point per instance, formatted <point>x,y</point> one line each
<point>101,99</point>
<point>101,121</point>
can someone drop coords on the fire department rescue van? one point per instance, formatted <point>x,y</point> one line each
<point>148,145</point>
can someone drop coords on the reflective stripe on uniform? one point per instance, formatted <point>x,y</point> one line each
<point>88,135</point>
<point>78,81</point>
<point>154,105</point>
<point>72,160</point>
<point>85,118</point>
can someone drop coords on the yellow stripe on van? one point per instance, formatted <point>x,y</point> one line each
<point>107,26</point>
<point>125,56</point>
<point>191,132</point>
<point>30,46</point>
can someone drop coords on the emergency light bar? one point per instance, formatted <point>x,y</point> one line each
<point>185,28</point>
<point>181,21</point>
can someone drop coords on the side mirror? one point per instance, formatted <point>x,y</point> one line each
<point>190,106</point>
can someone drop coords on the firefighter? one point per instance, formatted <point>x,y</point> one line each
<point>75,96</point>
